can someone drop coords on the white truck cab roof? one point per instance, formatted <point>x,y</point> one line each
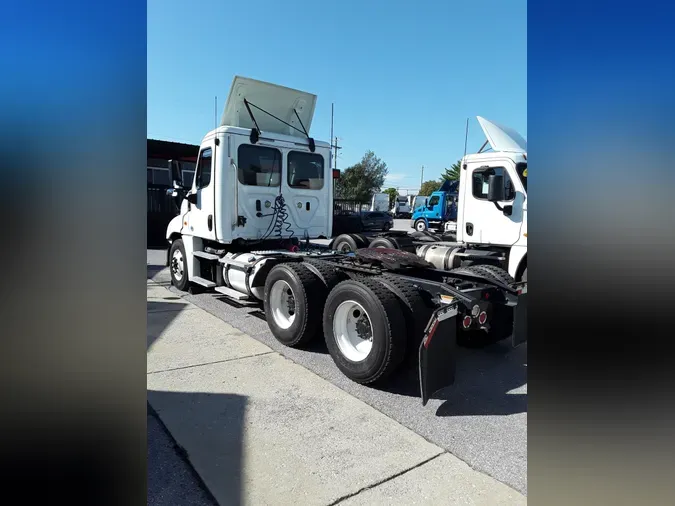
<point>277,100</point>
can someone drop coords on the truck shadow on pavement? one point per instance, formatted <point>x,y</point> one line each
<point>196,457</point>
<point>485,382</point>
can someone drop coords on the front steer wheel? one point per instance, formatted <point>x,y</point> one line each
<point>365,330</point>
<point>178,265</point>
<point>293,300</point>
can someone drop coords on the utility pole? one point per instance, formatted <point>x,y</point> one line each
<point>333,146</point>
<point>336,152</point>
<point>215,113</point>
<point>422,177</point>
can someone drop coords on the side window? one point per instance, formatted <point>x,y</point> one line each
<point>480,182</point>
<point>258,165</point>
<point>434,200</point>
<point>305,170</point>
<point>204,168</point>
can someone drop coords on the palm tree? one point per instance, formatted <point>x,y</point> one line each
<point>453,173</point>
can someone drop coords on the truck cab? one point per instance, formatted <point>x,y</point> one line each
<point>380,203</point>
<point>259,177</point>
<point>438,209</point>
<point>401,208</point>
<point>486,209</point>
<point>492,207</point>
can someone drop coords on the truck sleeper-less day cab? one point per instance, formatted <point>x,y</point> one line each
<point>437,211</point>
<point>263,187</point>
<point>491,224</point>
<point>401,208</point>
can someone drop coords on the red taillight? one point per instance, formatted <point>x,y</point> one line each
<point>466,322</point>
<point>482,318</point>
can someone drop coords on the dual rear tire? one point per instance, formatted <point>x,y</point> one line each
<point>368,323</point>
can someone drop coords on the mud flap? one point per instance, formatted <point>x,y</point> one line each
<point>437,352</point>
<point>520,319</point>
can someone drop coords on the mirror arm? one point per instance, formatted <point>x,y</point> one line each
<point>507,210</point>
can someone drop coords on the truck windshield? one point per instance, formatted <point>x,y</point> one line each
<point>521,168</point>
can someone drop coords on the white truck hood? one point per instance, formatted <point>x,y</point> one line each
<point>277,100</point>
<point>502,138</point>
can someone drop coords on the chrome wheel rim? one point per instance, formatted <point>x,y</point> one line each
<point>282,302</point>
<point>353,331</point>
<point>177,265</point>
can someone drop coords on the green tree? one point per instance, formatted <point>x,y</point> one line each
<point>428,187</point>
<point>453,173</point>
<point>393,193</point>
<point>362,180</point>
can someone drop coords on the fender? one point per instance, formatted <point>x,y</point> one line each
<point>517,255</point>
<point>174,227</point>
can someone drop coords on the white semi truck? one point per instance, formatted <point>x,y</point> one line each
<point>491,223</point>
<point>262,189</point>
<point>380,202</point>
<point>401,207</point>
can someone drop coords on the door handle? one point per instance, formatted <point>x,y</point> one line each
<point>210,222</point>
<point>469,228</point>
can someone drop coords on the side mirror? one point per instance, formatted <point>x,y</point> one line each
<point>426,202</point>
<point>176,173</point>
<point>495,188</point>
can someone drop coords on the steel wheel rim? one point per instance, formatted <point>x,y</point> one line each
<point>177,265</point>
<point>282,303</point>
<point>421,227</point>
<point>353,331</point>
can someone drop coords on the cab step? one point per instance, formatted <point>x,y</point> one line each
<point>205,255</point>
<point>203,282</point>
<point>233,294</point>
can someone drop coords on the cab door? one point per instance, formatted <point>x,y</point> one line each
<point>484,223</point>
<point>202,212</point>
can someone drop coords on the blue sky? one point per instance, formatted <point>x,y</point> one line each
<point>404,76</point>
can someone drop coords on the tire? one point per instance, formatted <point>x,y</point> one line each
<point>382,242</point>
<point>402,243</point>
<point>179,277</point>
<point>421,226</point>
<point>298,326</point>
<point>361,240</point>
<point>461,270</point>
<point>346,243</point>
<point>415,311</point>
<point>495,272</point>
<point>329,275</point>
<point>386,323</point>
<point>425,236</point>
